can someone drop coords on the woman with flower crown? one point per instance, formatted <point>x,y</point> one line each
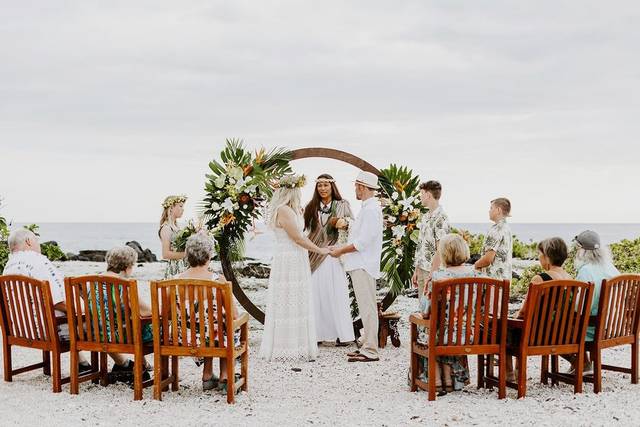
<point>325,218</point>
<point>172,210</point>
<point>289,327</point>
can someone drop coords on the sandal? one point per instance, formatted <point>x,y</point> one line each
<point>363,358</point>
<point>222,386</point>
<point>211,383</point>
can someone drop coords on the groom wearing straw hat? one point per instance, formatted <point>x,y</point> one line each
<point>362,262</point>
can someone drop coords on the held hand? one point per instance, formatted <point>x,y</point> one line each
<point>324,251</point>
<point>341,224</point>
<point>335,253</point>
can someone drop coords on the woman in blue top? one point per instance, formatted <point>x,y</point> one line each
<point>593,264</point>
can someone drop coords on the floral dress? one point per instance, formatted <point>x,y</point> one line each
<point>174,266</point>
<point>459,364</point>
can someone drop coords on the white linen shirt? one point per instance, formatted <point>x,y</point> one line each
<point>37,266</point>
<point>365,233</point>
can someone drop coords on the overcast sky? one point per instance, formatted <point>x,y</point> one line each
<point>106,107</point>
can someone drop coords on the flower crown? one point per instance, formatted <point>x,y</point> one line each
<point>291,181</point>
<point>173,200</point>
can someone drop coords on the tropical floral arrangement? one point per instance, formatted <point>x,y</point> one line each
<point>238,187</point>
<point>402,210</point>
<point>181,237</point>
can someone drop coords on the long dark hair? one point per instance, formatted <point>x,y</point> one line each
<point>312,208</point>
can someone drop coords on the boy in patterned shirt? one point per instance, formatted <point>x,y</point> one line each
<point>495,261</point>
<point>434,225</point>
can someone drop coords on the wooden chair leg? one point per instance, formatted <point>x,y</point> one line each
<point>522,376</point>
<point>6,356</point>
<point>74,372</point>
<point>231,380</point>
<point>104,370</point>
<point>596,355</point>
<point>46,362</point>
<point>502,377</point>
<point>138,368</point>
<point>555,369</point>
<point>634,362</point>
<point>158,375</point>
<point>95,367</point>
<point>578,372</point>
<point>544,370</point>
<point>175,373</point>
<point>244,361</point>
<point>480,371</point>
<point>431,363</point>
<point>488,369</point>
<point>413,370</point>
<point>56,374</point>
<point>166,373</point>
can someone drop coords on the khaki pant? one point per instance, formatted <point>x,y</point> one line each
<point>364,287</point>
<point>422,280</point>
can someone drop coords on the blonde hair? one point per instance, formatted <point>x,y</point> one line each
<point>283,196</point>
<point>454,250</point>
<point>168,203</point>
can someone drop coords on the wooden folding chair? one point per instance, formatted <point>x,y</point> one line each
<point>175,304</point>
<point>28,320</point>
<point>555,324</point>
<point>616,324</point>
<point>104,317</point>
<point>468,316</point>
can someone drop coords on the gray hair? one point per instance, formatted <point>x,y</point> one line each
<point>600,256</point>
<point>198,250</point>
<point>120,258</point>
<point>18,238</point>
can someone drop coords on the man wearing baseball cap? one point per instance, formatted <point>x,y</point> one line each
<point>362,262</point>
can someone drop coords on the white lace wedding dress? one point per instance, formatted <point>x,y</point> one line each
<point>289,328</point>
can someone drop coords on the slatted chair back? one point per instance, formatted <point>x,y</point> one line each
<point>619,311</point>
<point>557,318</point>
<point>103,312</point>
<point>468,316</point>
<point>192,317</point>
<point>27,313</point>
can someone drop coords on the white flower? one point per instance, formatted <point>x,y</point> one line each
<point>406,203</point>
<point>398,231</point>
<point>251,189</point>
<point>219,182</point>
<point>394,196</point>
<point>236,173</point>
<point>216,206</point>
<point>228,205</point>
<point>399,251</point>
<point>245,206</point>
<point>239,184</point>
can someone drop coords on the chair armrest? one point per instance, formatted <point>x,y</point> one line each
<point>244,318</point>
<point>145,320</point>
<point>515,323</point>
<point>417,319</point>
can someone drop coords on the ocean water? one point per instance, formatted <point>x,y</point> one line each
<point>73,237</point>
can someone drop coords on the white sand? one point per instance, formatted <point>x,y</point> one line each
<point>329,391</point>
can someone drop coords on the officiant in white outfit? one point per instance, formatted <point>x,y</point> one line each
<point>362,262</point>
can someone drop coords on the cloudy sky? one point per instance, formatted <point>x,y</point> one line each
<point>106,107</point>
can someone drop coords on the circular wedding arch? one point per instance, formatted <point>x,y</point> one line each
<point>302,153</point>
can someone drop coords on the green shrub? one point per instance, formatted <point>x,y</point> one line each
<point>626,255</point>
<point>52,251</point>
<point>519,287</point>
<point>524,250</point>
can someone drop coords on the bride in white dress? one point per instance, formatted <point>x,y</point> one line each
<point>289,327</point>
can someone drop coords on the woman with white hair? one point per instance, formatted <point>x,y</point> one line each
<point>289,328</point>
<point>593,264</point>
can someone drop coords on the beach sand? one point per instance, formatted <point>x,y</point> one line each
<point>329,391</point>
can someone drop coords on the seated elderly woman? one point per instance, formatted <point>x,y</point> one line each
<point>120,263</point>
<point>454,253</point>
<point>198,250</point>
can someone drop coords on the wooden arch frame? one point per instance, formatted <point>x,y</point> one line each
<point>302,153</point>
